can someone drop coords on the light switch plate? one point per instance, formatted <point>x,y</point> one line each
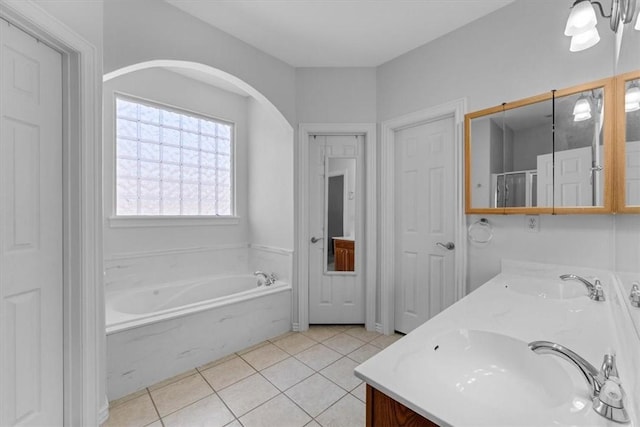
<point>532,223</point>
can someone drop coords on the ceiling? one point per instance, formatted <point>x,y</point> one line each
<point>338,33</point>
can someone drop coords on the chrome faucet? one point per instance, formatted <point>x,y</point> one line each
<point>595,290</point>
<point>269,279</point>
<point>606,391</point>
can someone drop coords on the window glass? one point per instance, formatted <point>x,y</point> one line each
<point>171,162</point>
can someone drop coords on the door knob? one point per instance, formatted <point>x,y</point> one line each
<point>316,239</point>
<point>448,246</point>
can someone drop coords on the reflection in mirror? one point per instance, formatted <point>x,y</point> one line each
<point>528,142</point>
<point>579,149</point>
<point>632,149</point>
<point>487,159</point>
<point>340,211</point>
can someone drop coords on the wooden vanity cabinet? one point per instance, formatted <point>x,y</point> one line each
<point>383,411</point>
<point>344,251</point>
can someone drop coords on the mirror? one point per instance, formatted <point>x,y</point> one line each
<point>340,214</point>
<point>544,154</point>
<point>579,173</point>
<point>505,145</point>
<point>629,142</point>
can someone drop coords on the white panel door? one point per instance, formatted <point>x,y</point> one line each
<point>425,211</point>
<point>334,296</point>
<point>572,175</point>
<point>632,172</point>
<point>31,231</point>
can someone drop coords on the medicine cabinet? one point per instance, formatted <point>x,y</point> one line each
<point>628,142</point>
<point>551,153</point>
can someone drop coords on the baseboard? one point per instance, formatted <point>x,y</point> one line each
<point>103,415</point>
<point>379,328</point>
<point>295,327</point>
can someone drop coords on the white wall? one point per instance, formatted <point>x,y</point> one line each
<point>336,95</point>
<point>136,31</point>
<point>270,179</point>
<point>142,256</point>
<point>513,53</point>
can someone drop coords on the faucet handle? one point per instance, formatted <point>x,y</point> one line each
<point>598,293</point>
<point>634,296</point>
<point>609,367</point>
<point>273,277</point>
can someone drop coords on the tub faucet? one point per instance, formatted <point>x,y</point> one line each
<point>606,391</point>
<point>595,290</point>
<point>268,279</point>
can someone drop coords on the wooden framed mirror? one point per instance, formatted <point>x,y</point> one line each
<point>550,153</point>
<point>628,142</point>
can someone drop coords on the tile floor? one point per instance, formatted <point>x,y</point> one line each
<point>297,379</point>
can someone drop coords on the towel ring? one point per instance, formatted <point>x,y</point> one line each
<point>481,232</point>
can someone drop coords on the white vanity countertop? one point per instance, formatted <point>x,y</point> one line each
<point>525,305</point>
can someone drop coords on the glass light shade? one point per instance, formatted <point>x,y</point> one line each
<point>582,110</point>
<point>632,98</point>
<point>585,40</point>
<point>581,19</point>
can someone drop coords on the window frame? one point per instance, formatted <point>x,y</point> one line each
<point>125,221</point>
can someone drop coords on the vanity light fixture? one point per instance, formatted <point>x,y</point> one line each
<point>632,98</point>
<point>582,109</point>
<point>582,21</point>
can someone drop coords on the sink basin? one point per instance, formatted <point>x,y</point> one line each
<point>489,376</point>
<point>549,289</point>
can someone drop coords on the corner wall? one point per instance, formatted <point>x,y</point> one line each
<point>513,53</point>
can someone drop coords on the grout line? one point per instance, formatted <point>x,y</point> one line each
<point>154,405</point>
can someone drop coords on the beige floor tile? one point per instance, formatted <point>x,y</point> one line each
<point>287,373</point>
<point>253,347</point>
<point>347,412</point>
<point>279,411</point>
<point>127,398</point>
<point>281,336</point>
<point>362,334</point>
<point>360,392</point>
<point>341,373</point>
<point>217,362</point>
<point>172,380</point>
<point>313,423</point>
<point>181,393</point>
<point>210,412</point>
<point>320,333</point>
<point>248,394</point>
<point>155,424</point>
<point>363,353</point>
<point>265,356</point>
<point>318,357</point>
<point>234,423</point>
<point>227,373</point>
<point>315,394</point>
<point>385,341</point>
<point>137,412</point>
<point>294,343</point>
<point>343,343</point>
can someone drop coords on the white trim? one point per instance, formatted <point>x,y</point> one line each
<point>295,327</point>
<point>370,214</point>
<point>455,109</point>
<point>177,251</point>
<point>271,249</point>
<point>132,221</point>
<point>84,374</point>
<point>378,328</point>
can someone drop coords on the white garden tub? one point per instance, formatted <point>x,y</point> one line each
<point>157,332</point>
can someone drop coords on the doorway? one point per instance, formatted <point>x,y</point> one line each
<point>80,399</point>
<point>357,241</point>
<point>442,247</point>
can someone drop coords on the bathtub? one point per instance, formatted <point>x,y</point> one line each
<point>154,333</point>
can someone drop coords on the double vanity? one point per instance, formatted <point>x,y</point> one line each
<point>526,348</point>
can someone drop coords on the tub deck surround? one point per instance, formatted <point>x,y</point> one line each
<point>489,376</point>
<point>191,325</point>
